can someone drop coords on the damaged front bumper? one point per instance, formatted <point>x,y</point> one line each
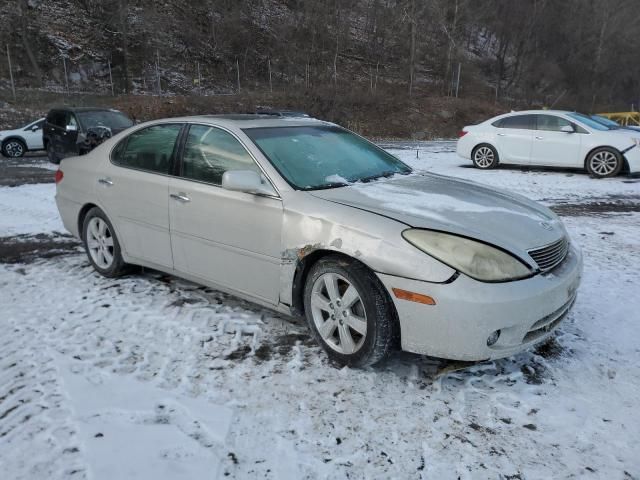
<point>468,313</point>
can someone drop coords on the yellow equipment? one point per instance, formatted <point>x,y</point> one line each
<point>623,118</point>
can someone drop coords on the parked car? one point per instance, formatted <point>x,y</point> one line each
<point>15,143</point>
<point>553,139</point>
<point>72,131</point>
<point>305,217</point>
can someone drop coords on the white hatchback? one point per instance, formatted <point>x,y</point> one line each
<point>551,138</point>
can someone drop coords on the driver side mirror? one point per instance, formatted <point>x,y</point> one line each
<point>568,129</point>
<point>35,128</point>
<point>246,181</point>
<point>71,128</point>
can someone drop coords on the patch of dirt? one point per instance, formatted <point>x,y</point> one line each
<point>24,170</point>
<point>596,209</point>
<point>29,248</point>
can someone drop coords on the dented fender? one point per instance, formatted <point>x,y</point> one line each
<point>311,224</point>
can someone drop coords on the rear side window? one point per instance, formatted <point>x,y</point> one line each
<point>210,151</point>
<point>523,122</point>
<point>150,149</point>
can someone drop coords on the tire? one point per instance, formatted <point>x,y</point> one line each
<point>101,245</point>
<point>369,321</point>
<point>51,154</point>
<point>604,162</point>
<point>485,157</point>
<point>14,148</point>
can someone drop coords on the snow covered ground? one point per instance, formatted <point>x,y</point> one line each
<point>152,377</point>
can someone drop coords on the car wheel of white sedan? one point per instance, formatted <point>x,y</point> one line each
<point>349,312</point>
<point>485,157</point>
<point>14,149</point>
<point>101,244</point>
<point>604,162</point>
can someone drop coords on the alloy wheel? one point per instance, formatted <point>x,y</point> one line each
<point>604,163</point>
<point>14,149</point>
<point>100,242</point>
<point>338,313</point>
<point>484,157</point>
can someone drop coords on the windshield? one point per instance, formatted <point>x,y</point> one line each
<point>314,157</point>
<point>605,121</point>
<point>105,118</point>
<point>588,121</point>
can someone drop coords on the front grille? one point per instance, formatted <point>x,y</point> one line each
<point>550,256</point>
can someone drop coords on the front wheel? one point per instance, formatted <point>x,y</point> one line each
<point>51,154</point>
<point>349,312</point>
<point>14,148</point>
<point>604,162</point>
<point>485,157</point>
<point>101,244</point>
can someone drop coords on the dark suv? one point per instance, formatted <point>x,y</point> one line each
<point>70,131</point>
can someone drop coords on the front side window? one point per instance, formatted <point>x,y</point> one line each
<point>148,149</point>
<point>551,123</point>
<point>315,157</point>
<point>210,151</point>
<point>523,122</point>
<point>589,122</point>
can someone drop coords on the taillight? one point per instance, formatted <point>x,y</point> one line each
<point>462,133</point>
<point>59,176</point>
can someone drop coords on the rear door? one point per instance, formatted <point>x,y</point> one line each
<point>134,189</point>
<point>229,238</point>
<point>553,147</point>
<point>514,138</point>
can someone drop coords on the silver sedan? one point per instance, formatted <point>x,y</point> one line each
<point>307,218</point>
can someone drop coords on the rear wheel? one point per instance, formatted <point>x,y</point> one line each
<point>485,157</point>
<point>349,312</point>
<point>101,244</point>
<point>14,148</point>
<point>604,162</point>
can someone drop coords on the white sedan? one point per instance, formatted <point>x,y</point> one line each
<point>551,138</point>
<point>15,143</point>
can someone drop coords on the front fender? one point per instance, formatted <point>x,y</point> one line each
<point>312,224</point>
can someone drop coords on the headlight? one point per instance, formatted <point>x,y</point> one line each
<point>478,260</point>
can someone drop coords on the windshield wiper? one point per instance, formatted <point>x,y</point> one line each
<point>376,176</point>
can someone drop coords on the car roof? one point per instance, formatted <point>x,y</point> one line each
<point>85,109</point>
<point>538,112</point>
<point>248,120</point>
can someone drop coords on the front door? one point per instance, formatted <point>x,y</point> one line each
<point>514,139</point>
<point>553,147</point>
<point>134,189</point>
<point>229,238</point>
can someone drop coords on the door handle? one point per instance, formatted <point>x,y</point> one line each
<point>502,134</point>
<point>105,181</point>
<point>181,197</point>
<point>539,138</point>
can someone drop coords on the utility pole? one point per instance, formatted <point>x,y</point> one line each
<point>158,71</point>
<point>13,87</point>
<point>199,77</point>
<point>64,65</point>
<point>238,73</point>
<point>458,79</point>
<point>111,79</point>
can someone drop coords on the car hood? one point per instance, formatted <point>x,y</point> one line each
<point>442,203</point>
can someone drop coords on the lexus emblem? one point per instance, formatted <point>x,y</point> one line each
<point>546,226</point>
